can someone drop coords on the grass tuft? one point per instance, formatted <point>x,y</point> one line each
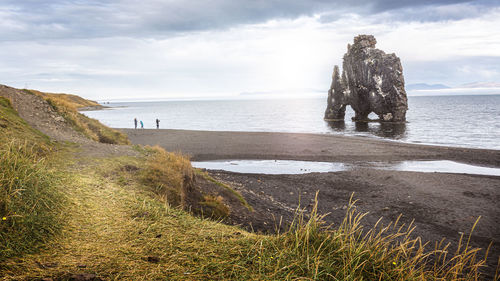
<point>312,251</point>
<point>242,200</point>
<point>30,202</point>
<point>168,174</point>
<point>214,207</point>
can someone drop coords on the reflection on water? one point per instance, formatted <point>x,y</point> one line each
<point>380,129</point>
<point>271,167</point>
<point>337,126</point>
<point>303,167</point>
<point>361,126</point>
<point>392,130</point>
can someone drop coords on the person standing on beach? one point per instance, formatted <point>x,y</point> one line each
<point>157,123</point>
<point>142,125</point>
<point>135,122</point>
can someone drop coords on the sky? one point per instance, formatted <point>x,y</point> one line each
<point>175,49</point>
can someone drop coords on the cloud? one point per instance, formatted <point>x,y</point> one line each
<point>38,20</point>
<point>170,48</point>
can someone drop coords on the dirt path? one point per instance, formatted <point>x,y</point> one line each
<point>108,228</point>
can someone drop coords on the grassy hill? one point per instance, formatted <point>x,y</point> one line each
<point>73,101</point>
<point>73,211</point>
<point>68,105</point>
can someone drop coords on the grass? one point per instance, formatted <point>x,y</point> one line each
<point>168,174</point>
<point>67,106</point>
<point>214,207</point>
<point>14,127</point>
<point>171,176</point>
<point>30,202</point>
<point>74,100</point>
<point>312,251</point>
<point>242,200</point>
<point>119,230</point>
<point>115,227</point>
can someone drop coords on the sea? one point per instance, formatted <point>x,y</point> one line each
<point>455,120</point>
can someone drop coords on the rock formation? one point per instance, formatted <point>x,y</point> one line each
<point>372,81</point>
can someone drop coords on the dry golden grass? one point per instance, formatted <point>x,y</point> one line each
<point>207,177</point>
<point>75,101</point>
<point>88,126</point>
<point>114,229</point>
<point>30,200</point>
<point>169,174</point>
<point>117,229</point>
<point>214,207</point>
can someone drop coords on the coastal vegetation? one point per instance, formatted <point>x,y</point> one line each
<point>69,99</point>
<point>68,105</point>
<point>121,217</point>
<point>30,200</point>
<point>168,174</point>
<point>242,200</point>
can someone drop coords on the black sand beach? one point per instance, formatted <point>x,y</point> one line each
<point>443,205</point>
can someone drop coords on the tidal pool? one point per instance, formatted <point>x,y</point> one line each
<point>276,167</point>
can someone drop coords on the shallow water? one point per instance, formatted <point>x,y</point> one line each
<point>302,167</point>
<point>441,166</point>
<point>273,167</point>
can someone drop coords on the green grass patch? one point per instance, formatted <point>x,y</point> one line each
<point>312,251</point>
<point>206,176</point>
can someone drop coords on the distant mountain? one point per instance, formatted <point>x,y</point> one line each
<point>480,85</point>
<point>425,86</point>
<point>284,92</point>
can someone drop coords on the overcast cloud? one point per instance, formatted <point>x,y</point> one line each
<point>124,48</point>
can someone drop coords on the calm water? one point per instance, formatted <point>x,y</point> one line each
<point>303,167</point>
<point>466,121</point>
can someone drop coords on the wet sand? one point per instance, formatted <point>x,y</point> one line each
<point>209,145</point>
<point>443,205</point>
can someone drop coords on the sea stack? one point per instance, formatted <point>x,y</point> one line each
<point>372,81</point>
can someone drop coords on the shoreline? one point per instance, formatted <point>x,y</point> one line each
<point>360,136</point>
<point>220,145</point>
